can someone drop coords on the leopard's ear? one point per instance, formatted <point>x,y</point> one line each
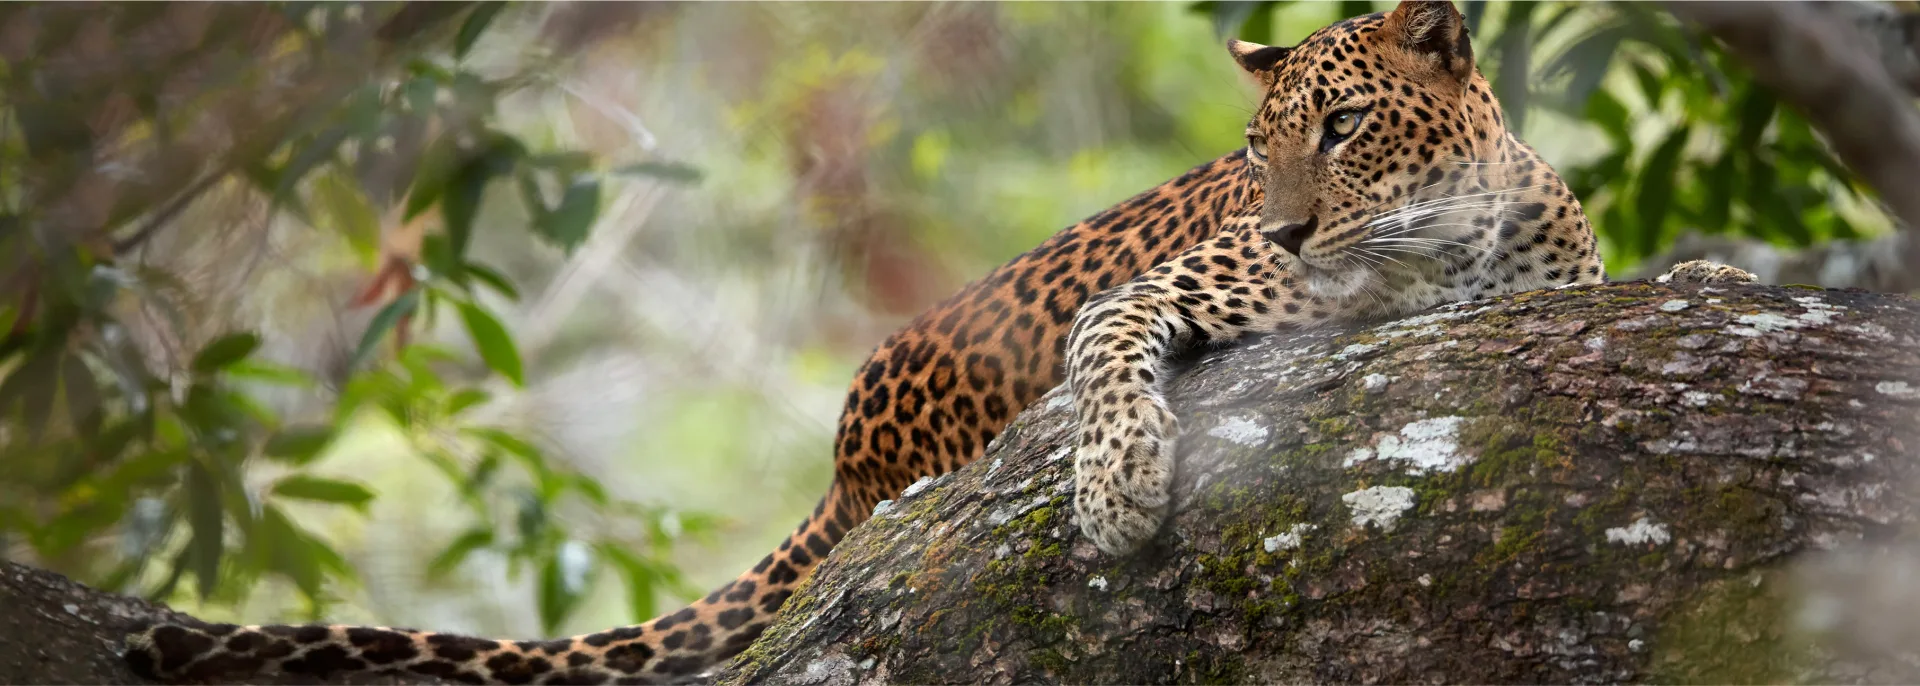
<point>1258,60</point>
<point>1434,31</point>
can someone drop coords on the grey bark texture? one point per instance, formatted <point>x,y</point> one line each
<point>1630,482</point>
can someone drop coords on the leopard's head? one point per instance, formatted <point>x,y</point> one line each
<point>1379,149</point>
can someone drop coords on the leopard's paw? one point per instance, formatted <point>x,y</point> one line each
<point>1123,476</point>
<point>1706,272</point>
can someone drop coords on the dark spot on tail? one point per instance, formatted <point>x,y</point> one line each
<point>382,647</point>
<point>680,665</point>
<point>510,668</point>
<point>323,661</point>
<point>459,648</point>
<point>179,646</point>
<point>576,676</point>
<point>629,658</point>
<point>553,647</point>
<point>223,664</point>
<point>141,662</point>
<point>675,619</point>
<point>446,670</point>
<point>735,617</point>
<point>746,637</point>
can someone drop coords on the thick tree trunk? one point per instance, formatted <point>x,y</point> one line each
<point>1621,483</point>
<point>1630,482</point>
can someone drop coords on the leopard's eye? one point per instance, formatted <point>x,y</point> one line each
<point>1257,144</point>
<point>1343,124</point>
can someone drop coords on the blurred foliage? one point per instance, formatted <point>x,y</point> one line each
<point>1689,141</point>
<point>137,451</point>
<point>145,437</point>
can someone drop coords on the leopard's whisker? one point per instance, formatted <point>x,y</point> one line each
<point>1427,203</point>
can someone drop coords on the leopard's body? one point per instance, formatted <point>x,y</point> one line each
<point>1390,185</point>
<point>1202,247</point>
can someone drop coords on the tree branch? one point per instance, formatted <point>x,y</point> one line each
<point>1630,482</point>
<point>1591,484</point>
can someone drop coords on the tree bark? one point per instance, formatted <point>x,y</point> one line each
<point>1629,482</point>
<point>1632,482</point>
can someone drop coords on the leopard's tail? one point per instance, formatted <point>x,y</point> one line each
<point>666,649</point>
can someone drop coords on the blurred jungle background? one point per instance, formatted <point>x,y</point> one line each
<point>532,319</point>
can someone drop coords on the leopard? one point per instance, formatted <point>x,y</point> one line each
<point>1389,183</point>
<point>1100,300</point>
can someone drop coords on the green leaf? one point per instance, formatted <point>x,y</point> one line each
<point>224,351</point>
<point>382,323</point>
<point>1587,61</point>
<point>305,487</point>
<point>493,279</point>
<point>450,557</point>
<point>1756,110</point>
<point>528,455</point>
<point>267,372</point>
<point>591,490</point>
<point>349,212</point>
<point>290,551</point>
<point>465,399</point>
<point>558,596</point>
<point>205,519</point>
<point>461,200</point>
<point>475,24</point>
<point>319,149</point>
<point>437,166</point>
<point>1258,26</point>
<point>1606,111</point>
<point>299,444</point>
<point>640,579</point>
<point>496,347</point>
<point>1655,191</point>
<point>1651,85</point>
<point>670,171</point>
<point>1229,16</point>
<point>568,224</point>
<point>1717,183</point>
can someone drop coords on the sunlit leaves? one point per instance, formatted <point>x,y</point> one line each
<point>349,213</point>
<point>303,487</point>
<point>496,347</point>
<point>457,552</point>
<point>477,21</point>
<point>567,223</point>
<point>383,323</point>
<point>204,516</point>
<point>299,444</point>
<point>142,461</point>
<point>224,351</point>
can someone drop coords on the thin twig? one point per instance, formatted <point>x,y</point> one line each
<point>173,209</point>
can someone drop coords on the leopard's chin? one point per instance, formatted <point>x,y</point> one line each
<point>1337,284</point>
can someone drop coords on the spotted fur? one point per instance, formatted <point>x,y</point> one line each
<point>930,397</point>
<point>1390,184</point>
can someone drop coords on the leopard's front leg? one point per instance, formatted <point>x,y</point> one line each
<point>1116,356</point>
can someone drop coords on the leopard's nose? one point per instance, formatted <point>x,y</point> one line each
<point>1292,237</point>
